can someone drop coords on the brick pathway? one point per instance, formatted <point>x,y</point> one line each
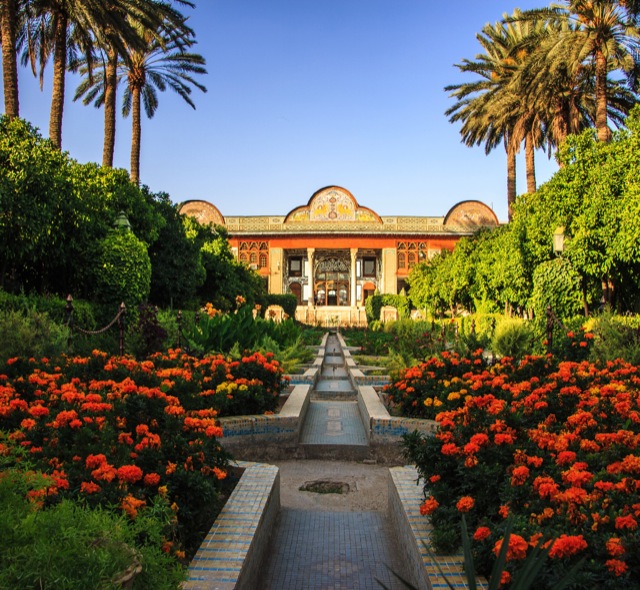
<point>331,551</point>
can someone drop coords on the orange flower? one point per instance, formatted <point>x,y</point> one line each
<point>129,473</point>
<point>465,504</point>
<point>219,473</point>
<point>519,475</point>
<point>567,545</point>
<point>626,522</point>
<point>615,547</point>
<point>151,479</point>
<point>90,487</point>
<point>616,566</point>
<point>482,533</point>
<point>504,510</point>
<point>429,506</point>
<point>505,578</point>
<point>130,505</point>
<point>517,548</point>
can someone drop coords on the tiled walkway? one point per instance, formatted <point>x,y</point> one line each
<point>331,551</point>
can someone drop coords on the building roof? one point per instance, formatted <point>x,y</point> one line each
<point>334,210</point>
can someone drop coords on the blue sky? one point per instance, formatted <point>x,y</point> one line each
<point>304,94</point>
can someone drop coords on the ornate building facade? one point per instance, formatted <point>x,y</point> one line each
<point>332,253</point>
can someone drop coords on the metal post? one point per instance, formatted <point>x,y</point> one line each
<point>69,320</point>
<point>179,322</point>
<point>123,311</point>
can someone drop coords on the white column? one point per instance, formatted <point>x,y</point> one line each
<point>354,252</point>
<point>312,295</point>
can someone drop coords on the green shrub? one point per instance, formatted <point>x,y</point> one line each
<point>55,307</point>
<point>287,301</point>
<point>30,334</point>
<point>513,337</point>
<point>615,337</point>
<point>123,271</point>
<point>556,284</point>
<point>69,547</point>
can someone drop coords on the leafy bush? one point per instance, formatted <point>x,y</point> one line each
<point>55,307</point>
<point>374,304</point>
<point>287,301</point>
<point>513,338</point>
<point>71,547</point>
<point>556,284</point>
<point>220,332</point>
<point>615,337</point>
<point>123,271</point>
<point>30,334</point>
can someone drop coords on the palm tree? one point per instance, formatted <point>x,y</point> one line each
<point>9,12</point>
<point>61,28</point>
<point>604,36</point>
<point>490,108</point>
<point>100,88</point>
<point>159,66</point>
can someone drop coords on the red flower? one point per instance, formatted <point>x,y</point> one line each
<point>151,479</point>
<point>465,504</point>
<point>429,506</point>
<point>482,533</point>
<point>615,547</point>
<point>517,548</point>
<point>93,461</point>
<point>626,522</point>
<point>90,487</point>
<point>567,545</point>
<point>519,475</point>
<point>129,473</point>
<point>616,566</point>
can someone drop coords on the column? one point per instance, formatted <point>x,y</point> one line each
<point>354,252</point>
<point>310,257</point>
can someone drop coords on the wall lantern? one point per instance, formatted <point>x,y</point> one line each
<point>558,240</point>
<point>122,222</point>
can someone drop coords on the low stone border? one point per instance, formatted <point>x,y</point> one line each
<point>413,530</point>
<point>383,428</point>
<point>282,428</point>
<point>231,554</point>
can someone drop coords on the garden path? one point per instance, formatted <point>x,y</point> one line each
<point>332,541</point>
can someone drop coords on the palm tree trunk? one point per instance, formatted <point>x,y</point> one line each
<point>59,71</point>
<point>111,81</point>
<point>9,58</point>
<point>531,163</point>
<point>604,133</point>
<point>136,130</point>
<point>560,122</point>
<point>511,180</point>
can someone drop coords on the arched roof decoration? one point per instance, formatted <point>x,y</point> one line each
<point>203,211</point>
<point>332,204</point>
<point>470,216</point>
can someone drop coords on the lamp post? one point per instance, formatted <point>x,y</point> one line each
<point>558,240</point>
<point>122,222</point>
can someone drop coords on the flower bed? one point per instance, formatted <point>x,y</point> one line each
<point>554,445</point>
<point>111,431</point>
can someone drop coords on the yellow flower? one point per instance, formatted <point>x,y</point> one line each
<point>428,402</point>
<point>436,402</point>
<point>453,396</point>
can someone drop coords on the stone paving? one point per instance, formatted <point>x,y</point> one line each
<point>331,551</point>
